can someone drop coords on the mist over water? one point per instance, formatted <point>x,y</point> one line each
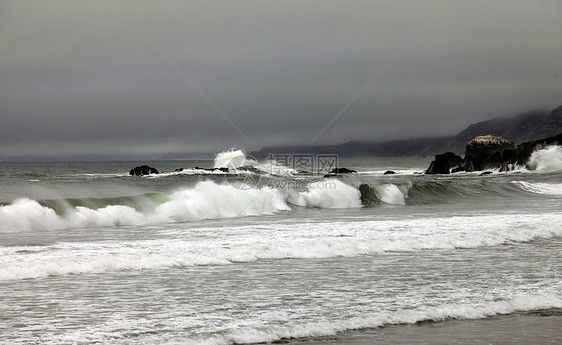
<point>89,254</point>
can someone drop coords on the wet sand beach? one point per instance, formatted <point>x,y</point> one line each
<point>541,327</point>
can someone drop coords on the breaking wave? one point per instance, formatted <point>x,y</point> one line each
<point>207,200</point>
<point>232,159</point>
<point>548,159</point>
<point>326,194</point>
<point>238,161</point>
<point>210,200</point>
<point>540,188</point>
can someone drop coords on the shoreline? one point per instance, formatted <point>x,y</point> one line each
<point>520,328</point>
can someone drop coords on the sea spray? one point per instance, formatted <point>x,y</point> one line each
<point>238,161</point>
<point>231,159</point>
<point>548,159</point>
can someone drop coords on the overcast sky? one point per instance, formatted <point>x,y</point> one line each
<point>152,77</point>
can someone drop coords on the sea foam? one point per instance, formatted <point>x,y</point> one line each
<point>547,159</point>
<point>271,333</point>
<point>274,241</point>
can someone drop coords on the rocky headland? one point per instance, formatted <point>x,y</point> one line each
<point>490,152</point>
<point>522,128</point>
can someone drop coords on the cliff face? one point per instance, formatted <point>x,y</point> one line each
<point>523,128</point>
<point>551,126</point>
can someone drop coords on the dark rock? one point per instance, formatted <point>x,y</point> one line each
<point>331,175</point>
<point>341,171</point>
<point>524,151</point>
<point>251,168</point>
<point>443,163</point>
<point>507,167</point>
<point>223,169</point>
<point>485,173</point>
<point>389,172</point>
<point>468,164</point>
<point>487,151</point>
<point>368,195</point>
<point>490,151</point>
<point>437,168</point>
<point>143,170</point>
<point>452,159</point>
<point>178,170</point>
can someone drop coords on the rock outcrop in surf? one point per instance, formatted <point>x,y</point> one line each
<point>143,170</point>
<point>490,152</point>
<point>443,163</point>
<point>336,171</point>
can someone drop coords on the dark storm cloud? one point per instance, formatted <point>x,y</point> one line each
<point>108,77</point>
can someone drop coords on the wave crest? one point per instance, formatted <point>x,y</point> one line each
<point>328,193</point>
<point>207,200</point>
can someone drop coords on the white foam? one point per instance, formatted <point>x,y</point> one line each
<point>271,167</point>
<point>397,172</point>
<point>540,188</point>
<point>207,200</point>
<point>328,193</point>
<point>276,241</point>
<point>269,331</point>
<point>298,329</point>
<point>548,159</point>
<point>231,159</point>
<point>188,171</point>
<point>25,214</point>
<point>390,194</point>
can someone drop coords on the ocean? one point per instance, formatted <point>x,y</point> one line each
<point>92,255</point>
